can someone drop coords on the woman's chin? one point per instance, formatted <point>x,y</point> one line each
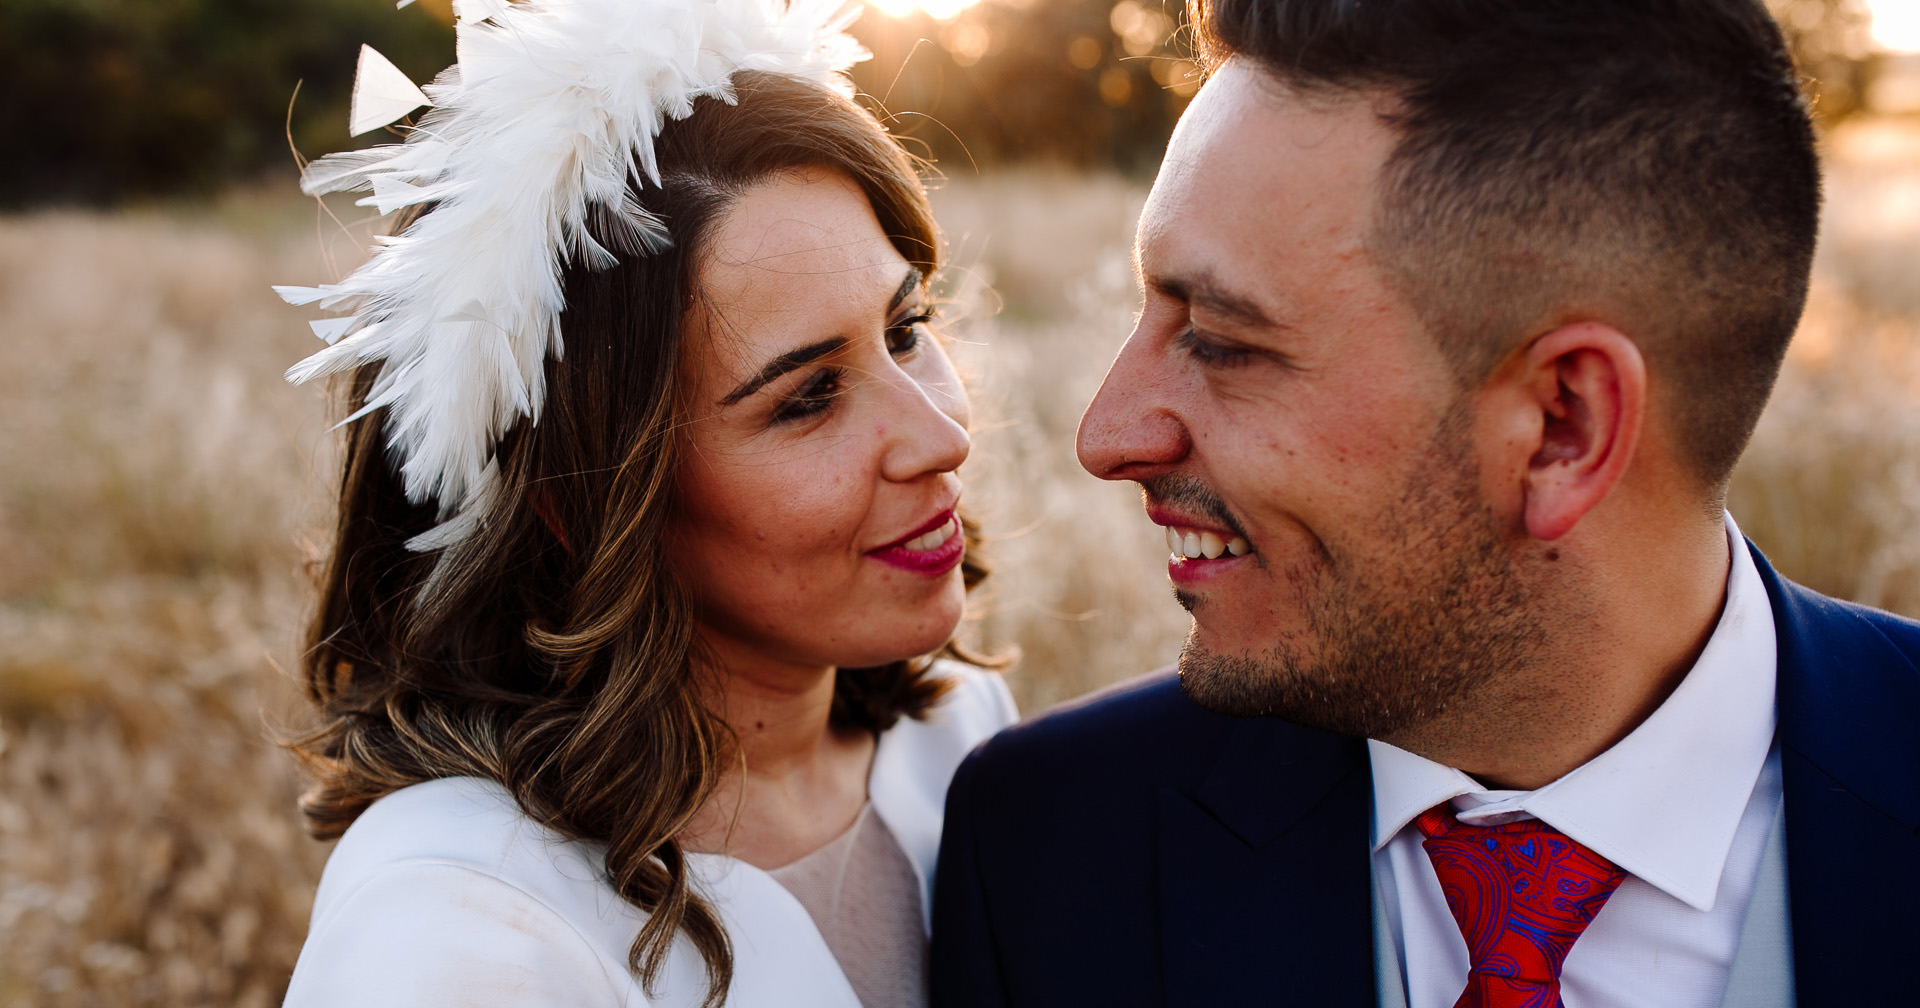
<point>916,634</point>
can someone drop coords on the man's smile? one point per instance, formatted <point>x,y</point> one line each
<point>1193,544</point>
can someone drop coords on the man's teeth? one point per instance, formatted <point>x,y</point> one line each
<point>937,537</point>
<point>1193,544</point>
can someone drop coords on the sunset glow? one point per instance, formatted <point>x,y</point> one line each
<point>939,10</point>
<point>1896,24</point>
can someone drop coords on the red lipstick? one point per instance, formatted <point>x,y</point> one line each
<point>940,545</point>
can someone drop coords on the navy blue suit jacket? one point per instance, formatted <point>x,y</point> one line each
<point>1137,850</point>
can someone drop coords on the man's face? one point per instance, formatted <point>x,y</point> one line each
<point>1293,426</point>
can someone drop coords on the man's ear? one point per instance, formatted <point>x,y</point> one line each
<point>1588,384</point>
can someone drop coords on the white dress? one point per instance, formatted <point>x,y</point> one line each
<point>443,893</point>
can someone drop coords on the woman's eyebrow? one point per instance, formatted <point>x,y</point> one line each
<point>908,284</point>
<point>781,365</point>
<point>814,351</point>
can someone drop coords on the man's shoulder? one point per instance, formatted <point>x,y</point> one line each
<point>1848,700</point>
<point>1812,610</point>
<point>1151,700</point>
<point>1142,734</point>
<point>1149,711</point>
<point>1819,630</point>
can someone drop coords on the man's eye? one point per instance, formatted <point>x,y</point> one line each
<point>904,336</point>
<point>1207,352</point>
<point>813,398</point>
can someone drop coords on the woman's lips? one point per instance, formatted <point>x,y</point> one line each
<point>933,549</point>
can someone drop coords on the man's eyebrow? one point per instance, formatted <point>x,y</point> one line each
<point>1204,292</point>
<point>781,365</point>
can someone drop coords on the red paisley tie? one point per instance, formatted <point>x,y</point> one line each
<point>1521,893</point>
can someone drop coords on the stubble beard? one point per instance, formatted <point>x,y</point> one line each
<point>1396,638</point>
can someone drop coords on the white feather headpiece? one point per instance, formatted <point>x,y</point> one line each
<point>536,124</point>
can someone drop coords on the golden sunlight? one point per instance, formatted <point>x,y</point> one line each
<point>1896,24</point>
<point>939,10</point>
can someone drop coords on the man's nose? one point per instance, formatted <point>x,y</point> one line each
<point>1133,427</point>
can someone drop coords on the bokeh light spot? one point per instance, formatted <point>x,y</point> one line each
<point>1896,24</point>
<point>1084,53</point>
<point>939,10</point>
<point>1142,29</point>
<point>1182,77</point>
<point>967,42</point>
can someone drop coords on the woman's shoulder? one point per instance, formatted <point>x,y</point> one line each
<point>917,756</point>
<point>975,705</point>
<point>977,701</point>
<point>460,822</point>
<point>447,885</point>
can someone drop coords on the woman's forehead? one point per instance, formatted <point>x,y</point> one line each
<point>809,226</point>
<point>794,260</point>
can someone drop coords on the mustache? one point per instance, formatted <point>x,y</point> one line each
<point>1189,493</point>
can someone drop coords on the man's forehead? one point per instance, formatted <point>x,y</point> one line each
<point>1245,133</point>
<point>1256,173</point>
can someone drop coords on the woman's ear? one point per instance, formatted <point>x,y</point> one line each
<point>542,504</point>
<point>1587,385</point>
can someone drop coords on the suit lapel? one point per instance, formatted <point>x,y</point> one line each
<point>1265,877</point>
<point>1849,704</point>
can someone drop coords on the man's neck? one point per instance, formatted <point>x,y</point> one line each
<point>1613,658</point>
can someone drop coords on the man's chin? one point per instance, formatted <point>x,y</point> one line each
<point>1186,599</point>
<point>1275,686</point>
<point>1232,684</point>
<point>1222,693</point>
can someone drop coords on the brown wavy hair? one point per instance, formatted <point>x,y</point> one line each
<point>553,651</point>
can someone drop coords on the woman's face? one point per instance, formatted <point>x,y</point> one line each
<point>815,522</point>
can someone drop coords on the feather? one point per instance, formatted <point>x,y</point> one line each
<point>478,10</point>
<point>299,295</point>
<point>527,156</point>
<point>330,330</point>
<point>390,194</point>
<point>381,94</point>
<point>337,172</point>
<point>628,227</point>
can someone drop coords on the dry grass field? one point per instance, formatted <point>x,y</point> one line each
<point>160,489</point>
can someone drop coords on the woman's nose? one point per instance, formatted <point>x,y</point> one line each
<point>929,430</point>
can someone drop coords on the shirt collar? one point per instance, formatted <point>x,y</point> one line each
<point>1662,803</point>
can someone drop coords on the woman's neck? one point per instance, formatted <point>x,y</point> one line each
<point>779,716</point>
<point>789,783</point>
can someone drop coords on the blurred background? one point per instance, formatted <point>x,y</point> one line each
<point>162,491</point>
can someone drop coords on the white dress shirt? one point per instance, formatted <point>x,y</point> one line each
<point>1684,804</point>
<point>444,893</point>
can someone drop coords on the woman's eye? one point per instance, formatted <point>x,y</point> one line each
<point>813,398</point>
<point>1207,352</point>
<point>903,337</point>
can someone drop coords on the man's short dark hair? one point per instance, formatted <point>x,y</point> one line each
<point>1649,163</point>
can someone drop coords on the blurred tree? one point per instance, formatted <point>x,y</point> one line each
<point>108,99</point>
<point>1101,82</point>
<point>1081,82</point>
<point>1832,40</point>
